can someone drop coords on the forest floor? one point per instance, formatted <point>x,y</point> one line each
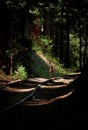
<point>50,88</point>
<point>46,110</point>
<point>67,79</point>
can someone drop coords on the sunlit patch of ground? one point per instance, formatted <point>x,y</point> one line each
<point>18,90</point>
<point>55,83</point>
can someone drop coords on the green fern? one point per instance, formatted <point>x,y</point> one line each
<point>20,73</point>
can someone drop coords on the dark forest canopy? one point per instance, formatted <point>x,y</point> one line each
<point>74,3</point>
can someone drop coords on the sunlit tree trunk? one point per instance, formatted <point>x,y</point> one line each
<point>11,45</point>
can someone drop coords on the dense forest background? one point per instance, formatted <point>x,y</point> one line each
<point>57,29</point>
<point>51,30</point>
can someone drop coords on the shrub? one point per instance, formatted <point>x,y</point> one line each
<point>20,73</point>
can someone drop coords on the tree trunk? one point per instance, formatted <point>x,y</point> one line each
<point>61,34</point>
<point>80,41</point>
<point>85,48</point>
<point>67,58</point>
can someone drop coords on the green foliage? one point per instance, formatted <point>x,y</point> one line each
<point>34,11</point>
<point>74,52</point>
<point>40,65</point>
<point>59,69</point>
<point>38,21</point>
<point>46,44</point>
<point>20,73</point>
<point>12,4</point>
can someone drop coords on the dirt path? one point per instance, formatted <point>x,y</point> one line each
<point>50,109</point>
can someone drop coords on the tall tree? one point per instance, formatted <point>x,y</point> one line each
<point>67,58</point>
<point>62,34</point>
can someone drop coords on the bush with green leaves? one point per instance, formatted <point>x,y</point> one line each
<point>46,44</point>
<point>20,73</point>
